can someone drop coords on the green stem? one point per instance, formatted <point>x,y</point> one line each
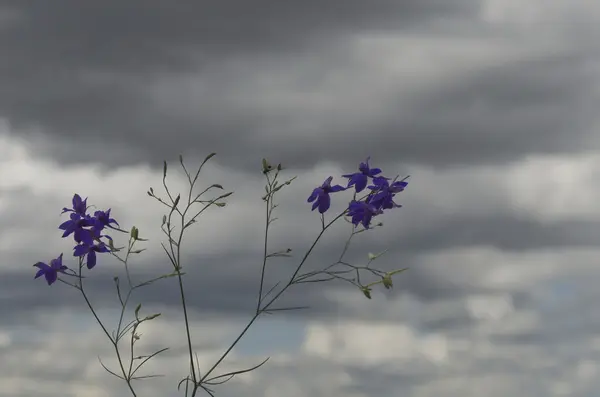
<point>115,344</point>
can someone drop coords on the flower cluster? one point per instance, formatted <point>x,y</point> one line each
<point>362,211</point>
<point>86,230</point>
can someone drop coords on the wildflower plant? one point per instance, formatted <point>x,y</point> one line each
<point>90,234</point>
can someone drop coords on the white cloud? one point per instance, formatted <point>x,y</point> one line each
<point>368,344</point>
<point>490,307</point>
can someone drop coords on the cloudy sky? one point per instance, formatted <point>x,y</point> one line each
<point>490,105</point>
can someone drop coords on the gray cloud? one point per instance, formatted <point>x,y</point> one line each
<point>70,78</point>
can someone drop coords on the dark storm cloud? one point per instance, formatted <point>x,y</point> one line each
<point>542,105</point>
<point>54,45</point>
<point>80,74</point>
<point>504,232</point>
<point>138,36</point>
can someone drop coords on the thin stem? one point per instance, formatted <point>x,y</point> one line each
<point>187,327</point>
<point>264,308</point>
<point>293,278</point>
<point>182,293</point>
<point>176,258</point>
<point>264,264</point>
<point>114,343</point>
<point>229,349</point>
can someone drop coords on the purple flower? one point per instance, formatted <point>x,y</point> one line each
<point>321,195</point>
<point>103,220</point>
<point>79,206</point>
<point>384,192</point>
<point>359,179</point>
<point>362,212</point>
<point>76,225</point>
<point>51,271</point>
<point>86,230</point>
<point>90,250</point>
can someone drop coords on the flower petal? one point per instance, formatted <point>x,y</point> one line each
<point>314,195</point>
<point>324,203</point>
<point>51,277</point>
<point>91,259</point>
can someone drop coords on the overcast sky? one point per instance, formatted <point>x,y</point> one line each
<point>490,105</point>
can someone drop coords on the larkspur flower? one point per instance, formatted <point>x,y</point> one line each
<point>360,179</point>
<point>321,195</point>
<point>84,227</point>
<point>79,206</point>
<point>103,220</point>
<point>90,251</point>
<point>362,212</point>
<point>76,226</point>
<point>50,271</point>
<point>86,230</point>
<point>384,192</point>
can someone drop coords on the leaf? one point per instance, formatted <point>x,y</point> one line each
<point>397,271</point>
<point>375,256</point>
<point>158,278</point>
<point>151,317</point>
<point>290,180</point>
<point>210,156</point>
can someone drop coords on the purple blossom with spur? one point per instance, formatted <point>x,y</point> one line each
<point>362,212</point>
<point>320,195</point>
<point>50,271</point>
<point>76,225</point>
<point>90,251</point>
<point>86,230</point>
<point>384,192</point>
<point>103,219</point>
<point>79,206</point>
<point>360,179</point>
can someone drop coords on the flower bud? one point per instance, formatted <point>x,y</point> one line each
<point>366,291</point>
<point>266,167</point>
<point>387,281</point>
